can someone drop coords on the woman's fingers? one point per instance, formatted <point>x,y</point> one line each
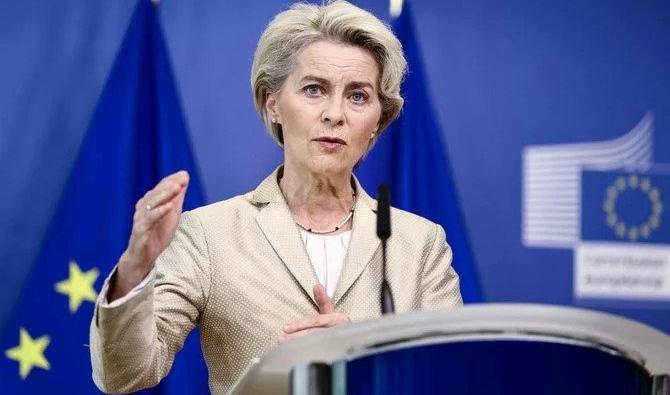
<point>166,190</point>
<point>311,324</point>
<point>166,197</point>
<point>153,216</point>
<point>165,194</point>
<point>181,177</point>
<point>317,321</point>
<point>323,300</point>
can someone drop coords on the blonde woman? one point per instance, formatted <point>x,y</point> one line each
<point>299,253</point>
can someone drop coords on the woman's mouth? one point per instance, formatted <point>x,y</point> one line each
<point>330,142</point>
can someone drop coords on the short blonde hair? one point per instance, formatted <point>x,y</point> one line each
<point>292,30</point>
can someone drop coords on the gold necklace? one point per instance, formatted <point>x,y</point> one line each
<point>337,227</point>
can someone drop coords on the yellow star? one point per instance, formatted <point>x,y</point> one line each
<point>29,353</point>
<point>79,287</point>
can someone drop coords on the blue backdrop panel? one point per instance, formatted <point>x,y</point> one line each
<point>501,77</point>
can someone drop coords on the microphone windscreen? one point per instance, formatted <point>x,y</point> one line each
<point>383,213</point>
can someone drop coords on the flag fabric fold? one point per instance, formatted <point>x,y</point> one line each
<point>137,135</point>
<point>411,158</point>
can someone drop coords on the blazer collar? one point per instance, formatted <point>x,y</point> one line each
<point>276,222</point>
<point>363,242</point>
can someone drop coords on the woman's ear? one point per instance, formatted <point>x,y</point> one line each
<point>271,107</point>
<point>375,130</point>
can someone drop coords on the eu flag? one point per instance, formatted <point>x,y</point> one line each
<point>625,207</point>
<point>137,136</point>
<point>411,158</point>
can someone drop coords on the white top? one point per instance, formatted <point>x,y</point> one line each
<point>326,252</point>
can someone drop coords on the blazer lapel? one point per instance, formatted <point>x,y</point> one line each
<point>363,243</point>
<point>277,225</point>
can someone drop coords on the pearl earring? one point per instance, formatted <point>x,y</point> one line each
<point>274,120</point>
<point>372,135</point>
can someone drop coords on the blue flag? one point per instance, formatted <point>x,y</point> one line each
<point>137,136</point>
<point>625,207</point>
<point>411,158</point>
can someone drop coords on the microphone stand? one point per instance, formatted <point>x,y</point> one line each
<point>384,232</point>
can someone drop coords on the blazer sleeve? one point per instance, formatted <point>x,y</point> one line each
<point>133,345</point>
<point>439,281</point>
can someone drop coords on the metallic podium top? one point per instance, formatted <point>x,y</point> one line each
<point>640,343</point>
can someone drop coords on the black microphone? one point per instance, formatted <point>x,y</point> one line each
<point>384,232</point>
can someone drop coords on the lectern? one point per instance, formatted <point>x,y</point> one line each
<point>479,349</point>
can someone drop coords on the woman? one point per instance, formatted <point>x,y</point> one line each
<point>297,254</point>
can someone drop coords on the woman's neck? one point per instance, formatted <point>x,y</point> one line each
<point>318,201</point>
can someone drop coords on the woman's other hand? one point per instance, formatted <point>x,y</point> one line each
<point>156,218</point>
<point>326,318</point>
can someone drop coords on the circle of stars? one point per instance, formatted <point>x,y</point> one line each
<point>635,183</point>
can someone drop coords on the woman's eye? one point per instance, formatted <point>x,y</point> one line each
<point>313,90</point>
<point>359,97</point>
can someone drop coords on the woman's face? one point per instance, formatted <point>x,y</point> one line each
<point>328,107</point>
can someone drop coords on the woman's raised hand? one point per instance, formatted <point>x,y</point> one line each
<point>154,223</point>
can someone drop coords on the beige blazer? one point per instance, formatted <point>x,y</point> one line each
<point>238,269</point>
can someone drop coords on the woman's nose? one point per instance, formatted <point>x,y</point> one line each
<point>333,113</point>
